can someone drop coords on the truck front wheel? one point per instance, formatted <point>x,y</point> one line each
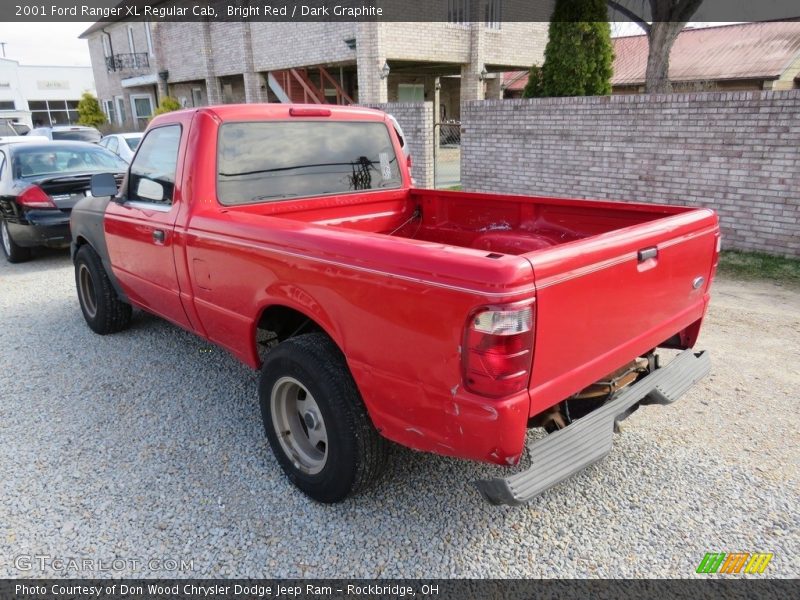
<point>103,310</point>
<point>315,420</point>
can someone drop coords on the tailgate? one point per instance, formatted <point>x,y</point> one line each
<point>604,300</point>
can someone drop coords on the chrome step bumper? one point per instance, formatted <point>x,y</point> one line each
<point>565,452</point>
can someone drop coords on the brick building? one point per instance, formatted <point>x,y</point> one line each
<point>203,63</point>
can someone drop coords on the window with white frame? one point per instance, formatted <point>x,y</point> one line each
<point>458,11</point>
<point>493,13</point>
<point>142,109</point>
<point>106,45</point>
<point>108,108</point>
<point>120,106</point>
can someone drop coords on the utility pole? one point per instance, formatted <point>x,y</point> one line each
<point>3,44</point>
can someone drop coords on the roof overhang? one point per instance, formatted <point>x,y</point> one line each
<point>150,79</point>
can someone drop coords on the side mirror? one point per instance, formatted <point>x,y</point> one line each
<point>150,190</point>
<point>103,184</point>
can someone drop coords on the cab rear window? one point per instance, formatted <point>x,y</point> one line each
<point>278,160</point>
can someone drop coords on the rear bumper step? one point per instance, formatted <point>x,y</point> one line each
<point>567,451</point>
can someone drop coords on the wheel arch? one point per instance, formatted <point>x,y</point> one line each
<point>285,320</point>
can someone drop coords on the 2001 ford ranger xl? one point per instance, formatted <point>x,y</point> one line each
<point>447,322</point>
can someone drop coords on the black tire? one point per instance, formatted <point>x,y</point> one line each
<point>13,252</point>
<point>103,310</point>
<point>355,453</point>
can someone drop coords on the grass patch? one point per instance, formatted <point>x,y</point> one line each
<point>455,188</point>
<point>757,265</point>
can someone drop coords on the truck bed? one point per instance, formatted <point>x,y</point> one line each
<point>598,303</point>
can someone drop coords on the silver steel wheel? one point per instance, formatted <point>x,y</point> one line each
<point>298,422</point>
<point>86,288</point>
<point>6,238</point>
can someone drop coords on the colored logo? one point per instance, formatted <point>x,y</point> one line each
<point>734,563</point>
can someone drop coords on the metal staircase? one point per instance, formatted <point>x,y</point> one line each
<point>307,86</point>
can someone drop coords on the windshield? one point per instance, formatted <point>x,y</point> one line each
<point>78,135</point>
<point>37,162</point>
<point>133,142</point>
<point>269,161</point>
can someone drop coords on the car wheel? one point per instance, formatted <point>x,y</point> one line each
<point>13,252</point>
<point>316,422</point>
<point>103,310</point>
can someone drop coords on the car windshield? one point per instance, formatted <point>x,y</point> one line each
<point>133,142</point>
<point>36,162</point>
<point>78,135</point>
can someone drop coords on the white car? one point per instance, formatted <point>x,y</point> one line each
<point>122,144</point>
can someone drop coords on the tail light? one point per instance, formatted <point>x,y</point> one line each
<point>35,197</point>
<point>715,260</point>
<point>497,352</point>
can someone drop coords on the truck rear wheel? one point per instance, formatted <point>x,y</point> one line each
<point>316,422</point>
<point>103,310</point>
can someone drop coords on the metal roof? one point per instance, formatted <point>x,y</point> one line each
<point>744,51</point>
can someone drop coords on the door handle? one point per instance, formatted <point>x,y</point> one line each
<point>159,236</point>
<point>647,253</point>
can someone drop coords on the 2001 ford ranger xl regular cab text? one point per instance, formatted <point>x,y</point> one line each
<point>444,321</point>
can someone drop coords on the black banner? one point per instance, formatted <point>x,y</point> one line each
<point>438,589</point>
<point>458,12</point>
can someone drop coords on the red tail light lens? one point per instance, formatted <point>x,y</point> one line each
<point>35,197</point>
<point>497,353</point>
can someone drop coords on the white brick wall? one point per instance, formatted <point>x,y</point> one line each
<point>416,119</point>
<point>736,152</point>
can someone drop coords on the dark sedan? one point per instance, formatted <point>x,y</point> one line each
<point>40,182</point>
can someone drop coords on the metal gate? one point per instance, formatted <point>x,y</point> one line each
<point>447,154</point>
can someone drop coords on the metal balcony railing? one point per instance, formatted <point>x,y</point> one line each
<point>127,62</point>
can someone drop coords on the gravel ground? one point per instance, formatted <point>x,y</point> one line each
<point>148,445</point>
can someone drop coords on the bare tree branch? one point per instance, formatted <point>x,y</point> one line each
<point>684,10</point>
<point>625,11</point>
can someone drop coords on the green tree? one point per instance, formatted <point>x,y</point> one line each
<point>89,111</point>
<point>579,55</point>
<point>167,104</point>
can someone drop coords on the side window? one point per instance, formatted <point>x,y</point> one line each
<point>2,166</point>
<point>113,145</point>
<point>152,176</point>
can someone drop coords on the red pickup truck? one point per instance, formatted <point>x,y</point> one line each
<point>444,321</point>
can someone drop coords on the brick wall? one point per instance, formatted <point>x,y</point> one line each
<point>736,152</point>
<point>416,119</point>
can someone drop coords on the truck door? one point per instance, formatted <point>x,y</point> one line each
<point>139,228</point>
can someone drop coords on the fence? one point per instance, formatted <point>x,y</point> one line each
<point>447,154</point>
<point>736,152</point>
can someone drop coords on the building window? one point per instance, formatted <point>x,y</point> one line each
<point>494,13</point>
<point>131,44</point>
<point>197,96</point>
<point>458,11</point>
<point>148,34</point>
<point>142,109</point>
<point>7,105</point>
<point>106,45</point>
<point>108,108</point>
<point>120,110</point>
<point>411,92</point>
<point>46,113</point>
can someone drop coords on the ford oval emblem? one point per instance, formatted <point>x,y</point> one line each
<point>698,281</point>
